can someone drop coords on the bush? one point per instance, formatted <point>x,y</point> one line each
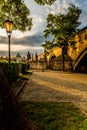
<point>23,68</point>
<point>4,65</point>
<point>14,70</point>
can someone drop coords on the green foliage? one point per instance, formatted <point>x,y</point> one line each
<point>63,27</point>
<point>16,11</point>
<point>55,116</point>
<point>43,2</point>
<point>4,65</point>
<point>24,76</point>
<point>48,45</point>
<point>14,71</point>
<point>23,68</point>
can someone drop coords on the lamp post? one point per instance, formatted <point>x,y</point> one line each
<point>8,25</point>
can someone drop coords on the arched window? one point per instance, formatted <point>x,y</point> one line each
<point>85,36</point>
<point>53,57</point>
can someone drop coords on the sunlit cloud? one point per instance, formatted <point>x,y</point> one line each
<point>83,17</point>
<point>13,47</point>
<point>18,48</point>
<point>3,32</point>
<point>60,6</point>
<point>37,19</point>
<point>32,40</point>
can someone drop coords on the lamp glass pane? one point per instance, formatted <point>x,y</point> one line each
<point>9,26</point>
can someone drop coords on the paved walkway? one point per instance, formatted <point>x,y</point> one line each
<point>56,87</point>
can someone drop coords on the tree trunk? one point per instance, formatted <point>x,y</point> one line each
<point>45,56</point>
<point>63,58</point>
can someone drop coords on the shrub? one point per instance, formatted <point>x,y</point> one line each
<point>14,70</point>
<point>23,68</point>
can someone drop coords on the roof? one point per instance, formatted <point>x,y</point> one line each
<point>18,55</point>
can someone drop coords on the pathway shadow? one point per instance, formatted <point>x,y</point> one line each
<point>39,92</point>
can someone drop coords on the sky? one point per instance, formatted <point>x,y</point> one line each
<point>31,40</point>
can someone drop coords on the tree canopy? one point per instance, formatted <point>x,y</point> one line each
<point>63,27</point>
<point>43,2</point>
<point>16,11</point>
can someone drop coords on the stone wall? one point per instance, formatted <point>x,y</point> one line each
<point>57,65</point>
<point>40,65</point>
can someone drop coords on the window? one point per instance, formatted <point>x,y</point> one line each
<point>85,36</point>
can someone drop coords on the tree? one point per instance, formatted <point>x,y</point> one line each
<point>63,28</point>
<point>16,11</point>
<point>43,2</point>
<point>46,53</point>
<point>47,46</point>
<point>28,56</point>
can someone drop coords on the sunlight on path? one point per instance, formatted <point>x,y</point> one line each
<point>66,89</point>
<point>56,87</point>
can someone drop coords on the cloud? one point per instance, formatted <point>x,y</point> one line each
<point>83,16</point>
<point>34,40</point>
<point>39,23</point>
<point>37,19</point>
<point>3,39</point>
<point>18,48</point>
<point>13,47</point>
<point>60,6</point>
<point>83,19</point>
<point>23,50</point>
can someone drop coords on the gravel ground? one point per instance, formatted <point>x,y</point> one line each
<point>56,86</point>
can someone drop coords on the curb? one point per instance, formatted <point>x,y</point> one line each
<point>20,89</point>
<point>22,86</point>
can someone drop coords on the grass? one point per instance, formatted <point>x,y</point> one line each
<point>55,116</point>
<point>26,75</point>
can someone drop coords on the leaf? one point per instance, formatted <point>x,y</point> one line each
<point>16,11</point>
<point>43,2</point>
<point>63,27</point>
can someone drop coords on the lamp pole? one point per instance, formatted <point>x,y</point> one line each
<point>9,25</point>
<point>9,57</point>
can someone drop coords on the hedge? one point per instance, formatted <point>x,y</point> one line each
<point>14,70</point>
<point>23,67</point>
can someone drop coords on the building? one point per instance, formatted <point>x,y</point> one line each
<point>18,57</point>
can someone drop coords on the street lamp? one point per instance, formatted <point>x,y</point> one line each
<point>8,25</point>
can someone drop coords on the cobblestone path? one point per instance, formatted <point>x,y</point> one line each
<point>56,87</point>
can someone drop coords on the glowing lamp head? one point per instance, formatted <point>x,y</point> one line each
<point>9,26</point>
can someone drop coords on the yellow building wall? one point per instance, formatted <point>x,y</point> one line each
<point>81,44</point>
<point>55,51</point>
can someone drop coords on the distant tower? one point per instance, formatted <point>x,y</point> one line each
<point>18,57</point>
<point>32,58</point>
<point>36,56</point>
<point>28,56</point>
